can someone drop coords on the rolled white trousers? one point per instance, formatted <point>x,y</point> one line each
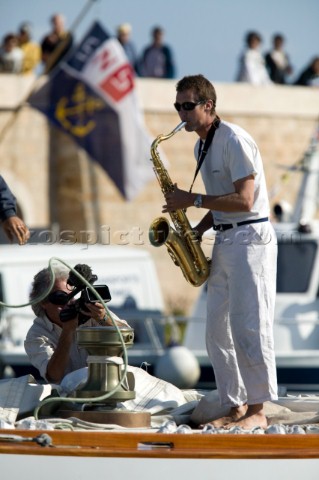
<point>240,313</point>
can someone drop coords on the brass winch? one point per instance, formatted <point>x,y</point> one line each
<point>106,373</point>
<point>105,362</point>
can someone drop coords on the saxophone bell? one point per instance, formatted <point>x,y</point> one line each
<point>159,231</point>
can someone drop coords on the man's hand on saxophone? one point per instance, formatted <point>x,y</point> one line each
<point>181,199</point>
<point>178,200</point>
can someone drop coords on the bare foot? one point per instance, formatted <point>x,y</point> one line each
<point>254,417</point>
<point>234,415</point>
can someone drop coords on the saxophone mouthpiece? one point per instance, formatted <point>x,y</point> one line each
<point>179,127</point>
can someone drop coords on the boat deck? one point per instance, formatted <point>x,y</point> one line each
<point>157,445</point>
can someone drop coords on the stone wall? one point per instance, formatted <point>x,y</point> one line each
<point>57,184</point>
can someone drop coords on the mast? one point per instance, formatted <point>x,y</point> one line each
<point>307,198</point>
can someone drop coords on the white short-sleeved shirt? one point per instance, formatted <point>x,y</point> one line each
<point>234,155</point>
<point>42,340</point>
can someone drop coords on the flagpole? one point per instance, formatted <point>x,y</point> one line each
<point>82,14</point>
<point>16,111</point>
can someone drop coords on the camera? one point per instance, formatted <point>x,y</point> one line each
<point>87,296</point>
<point>102,290</point>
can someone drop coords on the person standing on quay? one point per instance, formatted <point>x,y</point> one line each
<point>157,58</point>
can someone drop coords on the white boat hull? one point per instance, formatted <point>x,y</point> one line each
<point>33,467</point>
<point>144,455</point>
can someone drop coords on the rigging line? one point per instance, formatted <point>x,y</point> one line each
<point>53,57</point>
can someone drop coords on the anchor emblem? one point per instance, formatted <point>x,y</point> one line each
<point>82,106</point>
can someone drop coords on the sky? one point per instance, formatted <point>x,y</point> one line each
<point>206,36</point>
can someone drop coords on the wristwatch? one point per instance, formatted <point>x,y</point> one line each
<point>103,321</point>
<point>198,202</point>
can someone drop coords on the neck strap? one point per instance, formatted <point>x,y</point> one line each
<point>203,150</point>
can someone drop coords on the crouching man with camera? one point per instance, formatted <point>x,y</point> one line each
<point>51,341</point>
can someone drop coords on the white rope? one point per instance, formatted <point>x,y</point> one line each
<point>103,359</point>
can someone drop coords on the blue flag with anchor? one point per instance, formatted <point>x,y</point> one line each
<point>91,96</point>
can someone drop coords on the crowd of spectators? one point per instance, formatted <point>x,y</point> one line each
<point>273,66</point>
<point>156,59</point>
<point>20,54</point>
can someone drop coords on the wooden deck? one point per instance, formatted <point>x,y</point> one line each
<point>156,445</point>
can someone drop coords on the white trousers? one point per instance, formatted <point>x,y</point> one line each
<point>240,312</point>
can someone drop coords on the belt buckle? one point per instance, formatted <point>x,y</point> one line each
<point>221,229</point>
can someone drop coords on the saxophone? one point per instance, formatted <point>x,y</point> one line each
<point>182,244</point>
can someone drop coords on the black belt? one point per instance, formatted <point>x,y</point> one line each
<point>226,226</point>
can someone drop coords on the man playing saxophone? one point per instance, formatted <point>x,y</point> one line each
<point>242,281</point>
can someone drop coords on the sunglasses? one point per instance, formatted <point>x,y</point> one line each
<point>59,297</point>
<point>187,106</point>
